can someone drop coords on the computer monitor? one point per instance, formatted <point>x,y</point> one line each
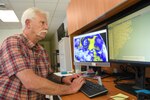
<point>91,49</point>
<point>129,39</point>
<point>61,32</point>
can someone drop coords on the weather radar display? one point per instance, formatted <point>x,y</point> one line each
<point>91,47</point>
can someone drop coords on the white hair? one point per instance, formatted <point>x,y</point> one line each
<point>30,13</point>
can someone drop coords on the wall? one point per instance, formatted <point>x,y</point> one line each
<point>54,39</point>
<point>54,46</point>
<point>54,42</point>
<point>7,32</point>
<point>46,45</point>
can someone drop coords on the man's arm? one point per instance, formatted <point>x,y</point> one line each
<point>41,85</point>
<point>66,79</point>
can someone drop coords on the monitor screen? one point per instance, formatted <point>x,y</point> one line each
<point>91,47</point>
<point>129,38</point>
<point>60,32</point>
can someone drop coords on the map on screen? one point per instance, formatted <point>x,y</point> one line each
<point>91,47</point>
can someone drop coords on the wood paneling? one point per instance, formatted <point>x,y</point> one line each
<point>72,17</point>
<point>110,4</point>
<point>82,12</point>
<point>94,10</point>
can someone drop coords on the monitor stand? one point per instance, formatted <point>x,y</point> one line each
<point>138,84</point>
<point>97,71</point>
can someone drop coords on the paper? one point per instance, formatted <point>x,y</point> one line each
<point>120,96</point>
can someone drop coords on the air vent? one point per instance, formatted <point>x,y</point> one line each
<point>5,5</point>
<point>2,5</point>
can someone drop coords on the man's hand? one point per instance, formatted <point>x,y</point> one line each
<point>69,79</point>
<point>77,84</point>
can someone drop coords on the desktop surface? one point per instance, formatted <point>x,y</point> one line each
<point>108,83</point>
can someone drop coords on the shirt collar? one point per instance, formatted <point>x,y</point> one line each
<point>29,43</point>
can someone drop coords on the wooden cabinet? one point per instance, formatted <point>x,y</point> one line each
<point>110,4</point>
<point>72,17</point>
<point>81,13</point>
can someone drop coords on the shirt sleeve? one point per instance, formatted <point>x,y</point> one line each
<point>54,78</point>
<point>13,58</point>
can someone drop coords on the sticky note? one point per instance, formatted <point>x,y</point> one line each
<point>119,96</point>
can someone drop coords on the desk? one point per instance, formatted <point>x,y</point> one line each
<point>109,84</point>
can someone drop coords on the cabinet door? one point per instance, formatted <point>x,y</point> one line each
<point>82,12</point>
<point>94,9</point>
<point>72,17</point>
<point>111,4</point>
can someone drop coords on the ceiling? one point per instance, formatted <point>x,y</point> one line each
<point>56,10</point>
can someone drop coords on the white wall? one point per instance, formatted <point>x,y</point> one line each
<point>8,32</point>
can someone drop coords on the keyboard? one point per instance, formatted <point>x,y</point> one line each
<point>92,89</point>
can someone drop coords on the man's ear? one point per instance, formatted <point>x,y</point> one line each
<point>27,22</point>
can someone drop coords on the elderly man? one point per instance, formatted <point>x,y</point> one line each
<point>24,64</point>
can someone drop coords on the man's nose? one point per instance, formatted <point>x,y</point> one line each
<point>46,26</point>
